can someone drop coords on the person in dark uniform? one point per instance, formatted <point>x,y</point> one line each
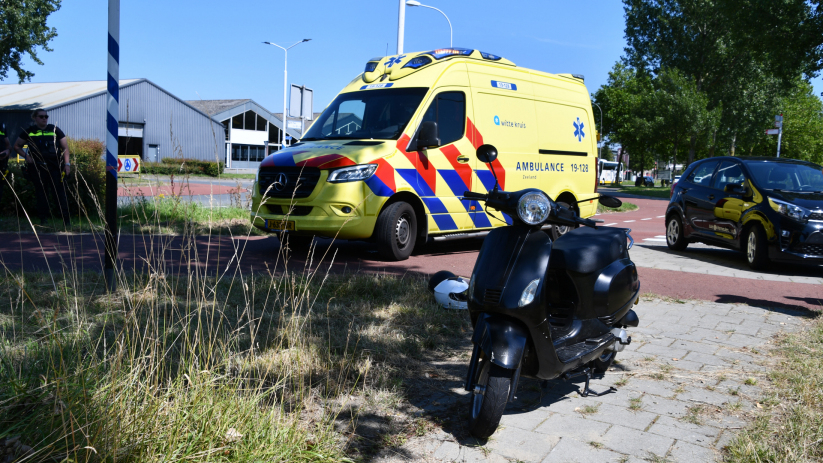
<point>47,161</point>
<point>5,146</point>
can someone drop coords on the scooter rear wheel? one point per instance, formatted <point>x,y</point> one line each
<point>489,398</point>
<point>602,363</point>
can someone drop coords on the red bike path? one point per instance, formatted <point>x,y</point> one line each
<point>229,257</point>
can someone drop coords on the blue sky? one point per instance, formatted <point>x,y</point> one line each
<point>212,50</point>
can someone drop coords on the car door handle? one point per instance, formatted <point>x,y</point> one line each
<point>462,159</point>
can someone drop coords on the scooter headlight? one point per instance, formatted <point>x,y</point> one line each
<point>528,294</point>
<point>534,208</point>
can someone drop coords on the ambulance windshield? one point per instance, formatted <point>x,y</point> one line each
<point>379,113</point>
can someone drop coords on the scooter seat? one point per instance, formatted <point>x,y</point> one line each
<point>586,249</point>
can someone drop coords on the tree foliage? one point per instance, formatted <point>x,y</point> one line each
<point>706,77</point>
<point>22,30</point>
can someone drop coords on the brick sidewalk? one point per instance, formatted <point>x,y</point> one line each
<point>682,395</point>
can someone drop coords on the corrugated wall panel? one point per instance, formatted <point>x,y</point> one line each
<point>82,119</point>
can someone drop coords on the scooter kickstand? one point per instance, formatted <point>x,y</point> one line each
<point>587,372</point>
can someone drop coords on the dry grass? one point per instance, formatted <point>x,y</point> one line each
<point>789,427</point>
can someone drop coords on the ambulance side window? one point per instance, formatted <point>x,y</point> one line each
<point>449,111</point>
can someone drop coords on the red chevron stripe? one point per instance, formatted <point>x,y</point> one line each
<point>477,140</point>
<point>327,161</point>
<point>426,170</point>
<point>463,170</point>
<point>385,172</point>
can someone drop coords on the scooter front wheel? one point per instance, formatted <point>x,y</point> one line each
<point>489,398</point>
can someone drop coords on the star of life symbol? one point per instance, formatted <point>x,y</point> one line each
<point>393,61</point>
<point>578,130</point>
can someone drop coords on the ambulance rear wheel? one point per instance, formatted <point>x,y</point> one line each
<point>559,230</point>
<point>396,231</point>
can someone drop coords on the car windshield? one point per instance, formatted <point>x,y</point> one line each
<point>379,113</point>
<point>787,176</point>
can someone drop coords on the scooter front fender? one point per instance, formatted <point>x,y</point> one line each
<point>501,339</point>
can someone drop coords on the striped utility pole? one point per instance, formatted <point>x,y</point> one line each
<point>112,119</point>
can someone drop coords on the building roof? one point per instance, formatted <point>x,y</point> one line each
<point>50,94</point>
<point>213,107</point>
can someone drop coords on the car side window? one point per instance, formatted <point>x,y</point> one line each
<point>728,173</point>
<point>702,174</point>
<point>449,111</point>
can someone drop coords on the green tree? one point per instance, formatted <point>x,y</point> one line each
<point>22,30</point>
<point>725,48</point>
<point>802,127</point>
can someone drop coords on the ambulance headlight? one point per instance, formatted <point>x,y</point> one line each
<point>352,174</point>
<point>534,208</point>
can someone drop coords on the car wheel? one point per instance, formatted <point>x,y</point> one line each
<point>396,231</point>
<point>674,234</point>
<point>757,252</point>
<point>559,230</point>
<point>602,363</point>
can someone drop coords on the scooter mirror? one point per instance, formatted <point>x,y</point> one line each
<point>610,201</point>
<point>487,153</point>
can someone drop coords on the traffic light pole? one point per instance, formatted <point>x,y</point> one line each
<point>112,125</point>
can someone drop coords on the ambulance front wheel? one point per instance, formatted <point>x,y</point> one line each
<point>396,231</point>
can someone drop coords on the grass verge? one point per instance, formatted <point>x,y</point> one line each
<point>655,192</point>
<point>601,209</point>
<point>790,426</point>
<point>173,368</point>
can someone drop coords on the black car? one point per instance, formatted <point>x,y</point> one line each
<point>770,208</point>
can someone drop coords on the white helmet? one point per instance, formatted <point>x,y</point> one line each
<point>451,293</point>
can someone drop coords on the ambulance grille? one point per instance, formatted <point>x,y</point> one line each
<point>288,181</point>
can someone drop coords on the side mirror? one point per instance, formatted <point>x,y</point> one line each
<point>428,136</point>
<point>487,154</point>
<point>610,201</point>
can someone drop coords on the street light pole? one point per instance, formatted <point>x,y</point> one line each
<point>416,3</point>
<point>401,26</point>
<point>285,86</point>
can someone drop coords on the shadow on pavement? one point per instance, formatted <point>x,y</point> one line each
<point>773,306</point>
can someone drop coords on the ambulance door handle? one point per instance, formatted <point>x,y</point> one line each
<point>462,159</point>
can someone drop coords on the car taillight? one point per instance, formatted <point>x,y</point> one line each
<point>671,190</point>
<point>596,173</point>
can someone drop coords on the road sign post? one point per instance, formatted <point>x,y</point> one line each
<point>778,121</point>
<point>112,128</point>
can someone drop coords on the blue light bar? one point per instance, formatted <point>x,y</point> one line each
<point>441,53</point>
<point>418,62</point>
<point>489,56</point>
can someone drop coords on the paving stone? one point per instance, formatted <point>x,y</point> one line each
<point>577,427</point>
<point>703,396</point>
<point>706,359</point>
<point>725,439</point>
<point>648,386</point>
<point>735,354</point>
<point>684,452</point>
<point>739,329</point>
<point>681,430</point>
<point>451,451</point>
<point>662,351</point>
<point>622,416</point>
<point>666,407</point>
<point>521,445</point>
<point>633,442</point>
<point>687,365</point>
<point>745,340</point>
<point>693,346</point>
<point>574,451</point>
<point>527,421</point>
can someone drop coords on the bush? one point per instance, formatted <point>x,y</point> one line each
<point>177,166</point>
<point>85,186</point>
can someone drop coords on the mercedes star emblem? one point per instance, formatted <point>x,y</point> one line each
<point>280,182</point>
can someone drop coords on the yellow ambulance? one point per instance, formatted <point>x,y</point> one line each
<point>359,172</point>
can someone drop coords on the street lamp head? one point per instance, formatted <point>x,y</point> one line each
<point>268,43</point>
<point>306,40</point>
<point>412,3</point>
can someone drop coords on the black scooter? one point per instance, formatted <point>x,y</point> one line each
<point>544,309</point>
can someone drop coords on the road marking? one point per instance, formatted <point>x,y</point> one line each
<point>648,218</point>
<point>660,216</point>
<point>655,240</point>
<point>609,224</point>
<point>627,221</point>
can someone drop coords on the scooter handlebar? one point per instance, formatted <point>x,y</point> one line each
<point>471,195</point>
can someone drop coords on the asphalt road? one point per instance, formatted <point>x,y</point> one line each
<point>700,272</point>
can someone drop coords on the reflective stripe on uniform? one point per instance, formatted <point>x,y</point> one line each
<point>40,133</point>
